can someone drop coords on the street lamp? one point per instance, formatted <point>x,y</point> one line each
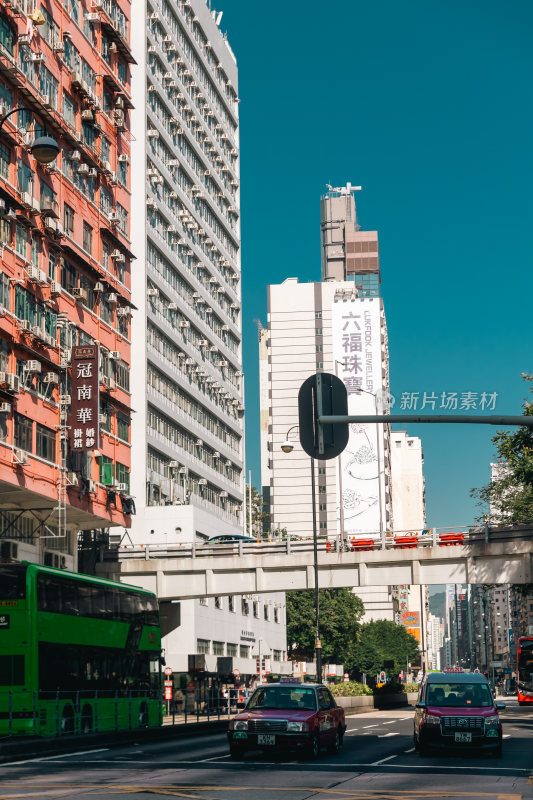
<point>288,447</point>
<point>44,148</point>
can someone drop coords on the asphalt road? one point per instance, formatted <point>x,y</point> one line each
<point>377,762</point>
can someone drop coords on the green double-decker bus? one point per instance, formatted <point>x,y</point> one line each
<point>77,654</point>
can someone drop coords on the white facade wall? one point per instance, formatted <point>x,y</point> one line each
<point>187,382</point>
<point>408,484</point>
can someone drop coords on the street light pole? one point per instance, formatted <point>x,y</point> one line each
<point>44,148</point>
<point>318,643</point>
<point>288,447</point>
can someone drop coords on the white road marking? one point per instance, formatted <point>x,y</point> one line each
<point>386,735</point>
<point>51,758</point>
<point>390,722</point>
<point>411,750</point>
<point>215,758</point>
<point>382,761</point>
<point>370,726</point>
<point>506,736</point>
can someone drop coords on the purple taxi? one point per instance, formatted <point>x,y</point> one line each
<point>289,715</point>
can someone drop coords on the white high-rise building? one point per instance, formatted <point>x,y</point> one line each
<point>187,382</point>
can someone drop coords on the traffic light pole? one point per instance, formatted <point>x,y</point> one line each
<point>318,644</point>
<point>473,419</point>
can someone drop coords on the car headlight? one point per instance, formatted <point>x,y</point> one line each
<point>238,725</point>
<point>431,719</point>
<point>297,727</point>
<point>492,722</point>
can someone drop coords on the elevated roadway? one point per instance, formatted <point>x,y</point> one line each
<point>180,572</point>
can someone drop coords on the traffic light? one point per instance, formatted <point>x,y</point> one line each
<point>322,394</point>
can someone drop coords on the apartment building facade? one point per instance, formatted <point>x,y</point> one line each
<point>65,280</point>
<point>188,431</point>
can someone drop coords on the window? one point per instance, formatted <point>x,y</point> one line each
<point>322,490</point>
<point>203,601</point>
<point>7,37</point>
<point>318,331</point>
<point>323,525</point>
<point>276,655</point>
<point>68,219</point>
<point>321,470</point>
<point>318,314</point>
<point>231,649</point>
<point>73,9</point>
<point>24,178</point>
<point>89,133</point>
<point>218,602</point>
<point>244,651</point>
<point>122,173</point>
<point>46,443</point>
<point>23,433</point>
<point>218,648</point>
<point>87,237</point>
<point>203,646</point>
<point>106,201</point>
<point>245,606</point>
<point>231,604</point>
<point>266,611</point>
<point>122,72</point>
<point>122,474</point>
<point>123,219</point>
<point>35,250</point>
<point>123,426</point>
<point>106,470</point>
<point>319,348</point>
<point>276,613</point>
<point>69,110</point>
<point>322,506</point>
<point>48,85</point>
<point>5,159</point>
<point>21,240</point>
<point>256,609</point>
<point>105,152</point>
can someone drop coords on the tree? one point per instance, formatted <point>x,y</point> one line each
<point>509,497</point>
<point>340,615</point>
<point>382,640</point>
<point>260,513</point>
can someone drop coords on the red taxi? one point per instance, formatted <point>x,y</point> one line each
<point>289,715</point>
<point>457,709</point>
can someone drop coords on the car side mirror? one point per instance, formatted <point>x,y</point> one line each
<point>500,706</point>
<point>421,704</point>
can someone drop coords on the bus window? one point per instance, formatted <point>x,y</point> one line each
<point>48,593</point>
<point>69,597</point>
<point>11,670</point>
<point>13,582</point>
<point>85,599</point>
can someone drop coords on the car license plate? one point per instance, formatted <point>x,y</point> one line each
<point>462,736</point>
<point>263,738</point>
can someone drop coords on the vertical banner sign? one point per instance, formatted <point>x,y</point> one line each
<point>356,326</point>
<point>85,400</point>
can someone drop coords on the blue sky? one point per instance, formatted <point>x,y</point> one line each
<point>427,105</point>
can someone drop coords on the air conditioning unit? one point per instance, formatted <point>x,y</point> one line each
<point>189,362</point>
<point>203,342</point>
<point>33,366</point>
<point>64,400</point>
<point>24,40</point>
<point>114,218</point>
<point>52,225</point>
<point>59,48</point>
<point>91,487</point>
<point>111,298</point>
<point>172,306</point>
<point>223,494</point>
<point>115,354</point>
<point>123,312</point>
<point>75,80</point>
<point>152,292</point>
<point>121,487</point>
<point>9,551</point>
<point>92,17</point>
<point>79,294</point>
<point>25,325</point>
<point>93,173</point>
<point>173,464</point>
<point>116,253</point>
<point>10,381</point>
<point>98,287</point>
<point>185,324</point>
<point>83,169</point>
<point>20,456</point>
<point>72,479</point>
<point>202,482</point>
<point>123,158</point>
<point>75,155</point>
<point>5,408</point>
<point>51,377</point>
<point>38,58</point>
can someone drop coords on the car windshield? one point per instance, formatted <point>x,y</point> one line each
<point>284,697</point>
<point>460,695</point>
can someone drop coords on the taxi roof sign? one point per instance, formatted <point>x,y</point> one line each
<point>453,669</point>
<point>293,679</point>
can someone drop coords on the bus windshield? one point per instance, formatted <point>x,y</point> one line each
<point>525,665</point>
<point>13,582</point>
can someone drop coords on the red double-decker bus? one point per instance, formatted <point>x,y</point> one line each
<point>524,670</point>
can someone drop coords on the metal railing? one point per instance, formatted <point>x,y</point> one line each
<point>77,713</point>
<point>396,540</point>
